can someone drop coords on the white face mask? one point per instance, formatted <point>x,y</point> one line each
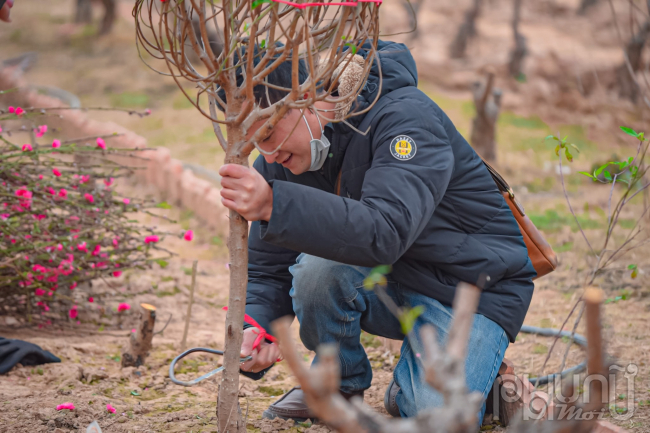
<point>319,147</point>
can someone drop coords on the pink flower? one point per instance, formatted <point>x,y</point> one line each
<point>100,143</point>
<point>19,111</point>
<point>63,193</point>
<point>85,178</point>
<point>40,176</point>
<point>39,292</point>
<point>126,201</point>
<point>73,285</point>
<point>117,273</point>
<point>56,172</point>
<point>91,299</point>
<point>27,147</point>
<point>110,408</point>
<point>96,250</point>
<point>189,235</point>
<point>40,131</point>
<point>82,247</point>
<point>151,239</point>
<point>89,197</point>
<point>148,111</point>
<point>12,109</point>
<point>56,144</point>
<point>115,240</point>
<point>108,182</point>
<point>59,247</point>
<point>39,217</point>
<point>123,307</point>
<point>68,406</point>
<point>73,312</point>
<point>4,216</point>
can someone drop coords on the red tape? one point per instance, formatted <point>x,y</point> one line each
<point>262,332</point>
<point>314,4</point>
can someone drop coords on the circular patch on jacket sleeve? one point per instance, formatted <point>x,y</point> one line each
<point>403,147</point>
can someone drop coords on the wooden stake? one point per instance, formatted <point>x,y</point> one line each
<point>189,307</point>
<point>141,339</point>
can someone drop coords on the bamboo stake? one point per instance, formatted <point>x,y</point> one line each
<point>189,307</point>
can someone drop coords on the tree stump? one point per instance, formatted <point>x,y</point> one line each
<point>141,339</point>
<point>626,72</point>
<point>488,106</point>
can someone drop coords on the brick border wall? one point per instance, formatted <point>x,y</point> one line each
<point>176,185</point>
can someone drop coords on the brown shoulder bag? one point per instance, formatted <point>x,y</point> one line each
<point>540,252</point>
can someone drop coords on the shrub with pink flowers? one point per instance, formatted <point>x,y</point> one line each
<point>61,221</point>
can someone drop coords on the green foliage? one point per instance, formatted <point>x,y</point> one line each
<point>376,277</point>
<point>407,317</point>
<point>563,145</point>
<point>634,269</point>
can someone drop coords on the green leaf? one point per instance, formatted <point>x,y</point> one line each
<point>408,317</point>
<point>134,392</point>
<point>634,273</point>
<point>568,155</point>
<point>164,205</point>
<point>601,168</point>
<point>632,266</point>
<point>557,150</point>
<point>587,174</point>
<point>641,136</point>
<point>257,3</point>
<point>551,136</point>
<point>353,48</point>
<point>575,147</point>
<point>263,44</point>
<point>629,131</point>
<point>162,263</point>
<point>607,175</point>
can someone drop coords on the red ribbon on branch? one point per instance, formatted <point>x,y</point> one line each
<point>262,332</point>
<point>314,4</point>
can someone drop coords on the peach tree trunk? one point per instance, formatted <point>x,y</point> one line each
<point>228,412</point>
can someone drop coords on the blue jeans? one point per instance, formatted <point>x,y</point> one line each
<point>333,307</point>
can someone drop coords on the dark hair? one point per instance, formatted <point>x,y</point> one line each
<point>280,76</point>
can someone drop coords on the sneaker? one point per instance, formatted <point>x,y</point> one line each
<point>292,405</point>
<point>389,400</point>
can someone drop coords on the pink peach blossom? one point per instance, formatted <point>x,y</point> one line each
<point>73,285</point>
<point>189,235</point>
<point>63,193</point>
<point>126,201</point>
<point>56,144</point>
<point>91,299</point>
<point>110,408</point>
<point>68,406</point>
<point>123,307</point>
<point>108,182</point>
<point>151,239</point>
<point>56,172</point>
<point>100,143</point>
<point>19,111</point>
<point>117,273</point>
<point>89,197</point>
<point>39,292</point>
<point>27,147</point>
<point>73,312</point>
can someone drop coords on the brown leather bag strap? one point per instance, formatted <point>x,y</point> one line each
<point>504,187</point>
<point>338,183</point>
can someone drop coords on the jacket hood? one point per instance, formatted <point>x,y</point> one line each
<point>396,69</point>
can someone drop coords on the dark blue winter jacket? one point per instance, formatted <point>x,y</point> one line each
<point>413,194</point>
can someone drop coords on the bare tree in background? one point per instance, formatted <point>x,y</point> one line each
<point>519,52</point>
<point>626,73</point>
<point>466,31</point>
<point>325,37</point>
<point>413,10</point>
<point>445,372</point>
<point>585,5</point>
<point>84,14</point>
<point>487,101</point>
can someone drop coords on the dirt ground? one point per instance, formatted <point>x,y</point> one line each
<point>108,72</point>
